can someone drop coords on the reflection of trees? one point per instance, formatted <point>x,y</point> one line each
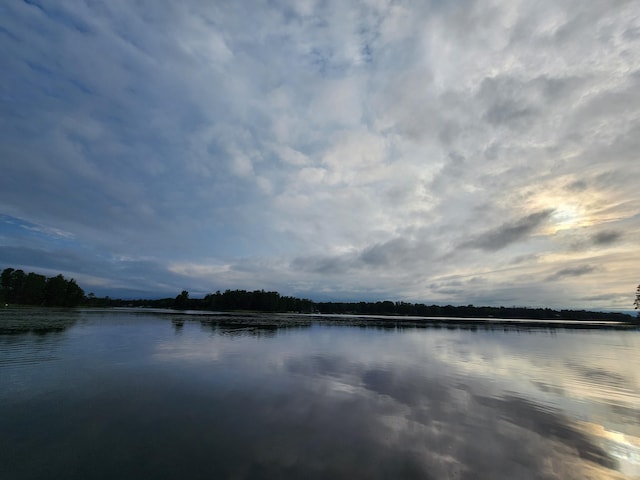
<point>178,325</point>
<point>18,321</point>
<point>466,311</point>
<point>252,325</point>
<point>264,331</point>
<point>237,323</point>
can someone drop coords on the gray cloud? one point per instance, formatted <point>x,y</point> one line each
<point>606,237</point>
<point>392,254</point>
<point>63,260</point>
<point>509,233</point>
<point>398,252</point>
<point>322,264</point>
<point>577,186</point>
<point>385,254</point>
<point>506,100</point>
<point>572,272</point>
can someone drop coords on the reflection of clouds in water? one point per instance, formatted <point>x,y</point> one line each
<point>600,375</point>
<point>424,402</point>
<point>167,351</point>
<point>549,424</point>
<point>557,368</point>
<point>602,384</point>
<point>624,448</point>
<point>446,429</point>
<point>631,415</point>
<point>548,367</point>
<point>577,372</point>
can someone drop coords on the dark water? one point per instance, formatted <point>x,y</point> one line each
<point>130,396</point>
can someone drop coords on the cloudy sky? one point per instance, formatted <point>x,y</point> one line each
<point>437,151</point>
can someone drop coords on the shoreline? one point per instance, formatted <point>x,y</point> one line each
<point>270,320</point>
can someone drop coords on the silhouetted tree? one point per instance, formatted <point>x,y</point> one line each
<point>74,294</point>
<point>5,279</point>
<point>55,291</point>
<point>18,279</point>
<point>182,301</point>
<point>34,288</point>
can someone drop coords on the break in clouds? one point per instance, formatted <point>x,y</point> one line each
<point>456,152</point>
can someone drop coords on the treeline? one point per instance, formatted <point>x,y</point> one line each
<point>467,311</point>
<point>258,300</point>
<point>22,288</point>
<point>18,287</point>
<point>263,301</point>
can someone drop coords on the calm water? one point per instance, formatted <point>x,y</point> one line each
<point>121,395</point>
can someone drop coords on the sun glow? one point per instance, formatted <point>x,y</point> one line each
<point>571,209</point>
<point>566,216</point>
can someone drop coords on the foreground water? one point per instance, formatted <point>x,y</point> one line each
<point>122,395</point>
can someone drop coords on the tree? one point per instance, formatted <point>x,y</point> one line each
<point>5,278</point>
<point>182,301</point>
<point>18,279</point>
<point>59,292</point>
<point>13,285</point>
<point>34,287</point>
<point>5,284</point>
<point>74,294</point>
<point>55,291</point>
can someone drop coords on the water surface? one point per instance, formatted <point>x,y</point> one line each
<point>107,394</point>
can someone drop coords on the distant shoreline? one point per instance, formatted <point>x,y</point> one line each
<point>42,320</point>
<point>252,317</point>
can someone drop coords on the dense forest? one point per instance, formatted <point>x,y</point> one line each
<point>18,287</point>
<point>34,289</point>
<point>258,300</point>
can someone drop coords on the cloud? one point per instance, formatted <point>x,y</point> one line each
<point>510,232</point>
<point>388,253</point>
<point>60,259</point>
<point>606,237</point>
<point>329,145</point>
<point>322,264</point>
<point>391,254</point>
<point>572,272</point>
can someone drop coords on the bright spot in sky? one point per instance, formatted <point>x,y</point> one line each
<point>566,216</point>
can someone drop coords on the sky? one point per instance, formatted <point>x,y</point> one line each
<point>448,152</point>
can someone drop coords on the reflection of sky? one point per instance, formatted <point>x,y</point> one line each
<point>325,402</point>
<point>578,377</point>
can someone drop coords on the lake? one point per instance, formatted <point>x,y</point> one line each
<point>127,395</point>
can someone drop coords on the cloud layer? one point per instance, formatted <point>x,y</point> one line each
<point>430,151</point>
